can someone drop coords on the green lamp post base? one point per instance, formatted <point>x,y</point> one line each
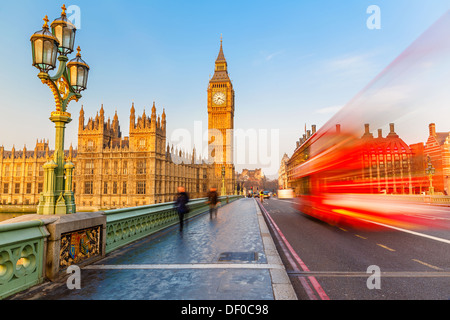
<point>57,196</point>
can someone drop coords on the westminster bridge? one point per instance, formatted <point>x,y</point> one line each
<point>141,254</point>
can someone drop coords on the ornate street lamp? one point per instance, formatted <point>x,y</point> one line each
<point>223,181</point>
<point>79,71</point>
<point>44,47</point>
<point>64,31</point>
<point>66,85</point>
<point>430,172</point>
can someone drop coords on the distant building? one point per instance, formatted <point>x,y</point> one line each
<point>299,156</point>
<point>116,171</point>
<point>282,173</point>
<point>387,163</point>
<point>252,179</point>
<point>110,170</point>
<point>380,165</point>
<point>22,173</point>
<point>437,148</point>
<point>251,175</point>
<point>420,181</point>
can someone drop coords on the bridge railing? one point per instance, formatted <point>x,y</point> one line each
<point>127,225</point>
<point>22,249</point>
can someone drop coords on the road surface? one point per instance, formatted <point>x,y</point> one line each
<point>341,263</point>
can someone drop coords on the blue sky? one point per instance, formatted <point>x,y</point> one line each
<point>291,62</point>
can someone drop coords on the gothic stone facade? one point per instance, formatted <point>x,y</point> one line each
<point>111,171</point>
<point>22,173</point>
<point>116,171</point>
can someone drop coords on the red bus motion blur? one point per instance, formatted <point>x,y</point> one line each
<point>363,181</point>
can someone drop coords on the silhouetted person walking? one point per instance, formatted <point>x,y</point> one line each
<point>181,205</point>
<point>213,199</point>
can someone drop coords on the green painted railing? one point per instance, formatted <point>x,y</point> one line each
<point>124,226</point>
<point>21,256</point>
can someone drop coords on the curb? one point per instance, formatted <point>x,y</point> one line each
<point>281,285</point>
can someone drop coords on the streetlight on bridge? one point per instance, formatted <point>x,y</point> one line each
<point>430,172</point>
<point>224,191</point>
<point>70,79</point>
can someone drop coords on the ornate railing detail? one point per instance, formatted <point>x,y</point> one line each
<point>22,247</point>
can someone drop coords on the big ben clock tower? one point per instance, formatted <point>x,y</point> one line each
<point>221,125</point>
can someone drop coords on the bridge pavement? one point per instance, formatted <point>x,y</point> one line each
<point>230,256</point>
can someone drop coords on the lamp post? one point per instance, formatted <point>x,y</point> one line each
<point>70,79</point>
<point>430,172</point>
<point>223,192</point>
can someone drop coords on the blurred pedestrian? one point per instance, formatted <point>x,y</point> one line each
<point>181,204</point>
<point>212,201</point>
<point>261,196</point>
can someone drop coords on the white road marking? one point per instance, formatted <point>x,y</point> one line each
<point>410,231</point>
<point>392,274</point>
<point>400,229</point>
<point>184,266</point>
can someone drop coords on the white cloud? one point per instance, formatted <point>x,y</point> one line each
<point>351,66</point>
<point>347,62</point>
<point>329,110</point>
<point>272,55</point>
<point>266,57</point>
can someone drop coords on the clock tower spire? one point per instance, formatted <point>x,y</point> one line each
<point>221,125</point>
<point>221,68</point>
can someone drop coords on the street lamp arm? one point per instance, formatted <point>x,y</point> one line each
<point>61,68</point>
<point>55,92</point>
<point>60,86</point>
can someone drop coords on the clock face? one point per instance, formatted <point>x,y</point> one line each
<point>219,98</point>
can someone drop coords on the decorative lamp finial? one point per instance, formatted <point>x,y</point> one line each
<point>45,26</point>
<point>63,14</point>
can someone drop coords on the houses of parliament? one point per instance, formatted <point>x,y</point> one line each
<point>112,171</point>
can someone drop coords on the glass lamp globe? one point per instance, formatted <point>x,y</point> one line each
<point>78,73</point>
<point>44,48</point>
<point>64,31</point>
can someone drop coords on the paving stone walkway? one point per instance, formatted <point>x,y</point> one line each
<point>230,256</point>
